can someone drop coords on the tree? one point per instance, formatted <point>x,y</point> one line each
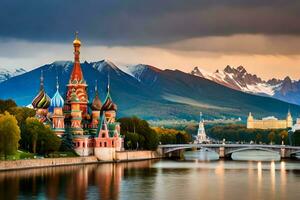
<point>271,136</point>
<point>47,141</point>
<point>67,143</point>
<point>283,135</point>
<point>40,137</point>
<point>6,105</point>
<point>148,138</point>
<point>9,134</point>
<point>258,137</point>
<point>32,128</point>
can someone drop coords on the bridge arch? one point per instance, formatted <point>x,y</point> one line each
<point>230,152</point>
<point>189,147</point>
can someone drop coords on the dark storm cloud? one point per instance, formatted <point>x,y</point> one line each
<point>138,22</point>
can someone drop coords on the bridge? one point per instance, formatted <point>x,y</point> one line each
<point>226,150</point>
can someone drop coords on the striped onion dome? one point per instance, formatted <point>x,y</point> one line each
<point>109,105</point>
<point>42,100</point>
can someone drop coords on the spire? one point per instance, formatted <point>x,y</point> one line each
<point>201,117</point>
<point>42,81</point>
<point>76,75</point>
<point>108,83</point>
<point>57,85</point>
<point>96,87</point>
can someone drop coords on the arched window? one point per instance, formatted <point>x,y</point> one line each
<point>105,145</point>
<point>103,135</point>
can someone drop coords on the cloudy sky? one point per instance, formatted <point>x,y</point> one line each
<point>262,35</point>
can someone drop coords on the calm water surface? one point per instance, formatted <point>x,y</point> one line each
<point>192,179</point>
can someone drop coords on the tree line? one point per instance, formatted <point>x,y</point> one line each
<point>240,133</point>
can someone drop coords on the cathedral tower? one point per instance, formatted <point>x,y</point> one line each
<point>77,82</point>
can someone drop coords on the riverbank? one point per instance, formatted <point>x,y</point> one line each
<point>122,156</point>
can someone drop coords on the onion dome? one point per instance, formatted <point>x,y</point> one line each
<point>57,101</point>
<point>42,100</point>
<point>96,104</point>
<point>76,41</point>
<point>108,105</point>
<point>74,97</point>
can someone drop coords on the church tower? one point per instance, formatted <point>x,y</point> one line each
<point>77,82</point>
<point>289,120</point>
<point>250,121</point>
<point>109,108</point>
<point>57,103</point>
<point>201,135</point>
<point>96,108</point>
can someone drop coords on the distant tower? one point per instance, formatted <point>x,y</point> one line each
<point>77,82</point>
<point>57,103</point>
<point>289,120</point>
<point>250,121</point>
<point>41,102</point>
<point>76,114</point>
<point>96,108</point>
<point>109,108</point>
<point>201,135</point>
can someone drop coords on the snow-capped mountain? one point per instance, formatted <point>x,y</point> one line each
<point>7,74</point>
<point>239,79</point>
<point>140,72</point>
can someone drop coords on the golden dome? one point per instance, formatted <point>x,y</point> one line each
<point>76,41</point>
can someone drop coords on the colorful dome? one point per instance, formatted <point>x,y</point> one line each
<point>57,101</point>
<point>96,105</point>
<point>109,105</point>
<point>42,100</point>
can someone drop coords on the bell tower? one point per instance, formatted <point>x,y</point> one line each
<point>77,82</point>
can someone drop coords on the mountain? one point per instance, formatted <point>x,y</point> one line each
<point>7,74</point>
<point>148,92</point>
<point>239,79</point>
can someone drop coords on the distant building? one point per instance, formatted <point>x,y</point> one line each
<point>201,135</point>
<point>296,126</point>
<point>269,122</point>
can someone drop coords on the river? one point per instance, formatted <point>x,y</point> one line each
<point>193,178</point>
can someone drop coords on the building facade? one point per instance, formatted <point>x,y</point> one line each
<point>269,122</point>
<point>93,125</point>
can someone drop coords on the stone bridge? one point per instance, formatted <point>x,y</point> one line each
<point>225,150</point>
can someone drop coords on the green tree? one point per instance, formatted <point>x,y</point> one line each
<point>67,143</point>
<point>47,141</point>
<point>271,136</point>
<point>6,105</point>
<point>32,129</point>
<point>283,135</point>
<point>148,137</point>
<point>9,134</point>
<point>258,137</point>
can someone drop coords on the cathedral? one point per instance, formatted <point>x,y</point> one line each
<point>92,124</point>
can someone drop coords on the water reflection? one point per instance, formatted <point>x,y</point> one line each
<point>156,180</point>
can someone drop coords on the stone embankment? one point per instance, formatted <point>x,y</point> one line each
<point>122,156</point>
